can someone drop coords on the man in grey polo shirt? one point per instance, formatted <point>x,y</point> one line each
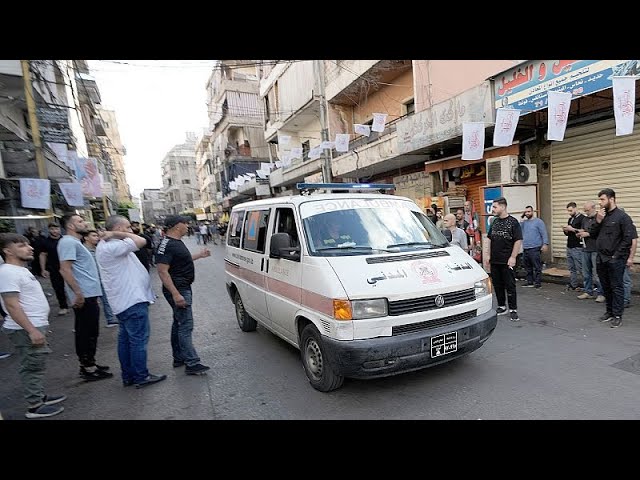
<point>458,236</point>
<point>83,288</point>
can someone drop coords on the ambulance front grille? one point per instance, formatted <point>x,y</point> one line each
<point>423,304</point>
<point>410,256</point>
<point>436,322</point>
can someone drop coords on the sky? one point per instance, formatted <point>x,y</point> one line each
<point>156,103</point>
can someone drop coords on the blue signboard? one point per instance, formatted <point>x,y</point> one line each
<point>525,87</point>
<point>490,194</point>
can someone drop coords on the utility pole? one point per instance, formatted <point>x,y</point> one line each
<point>33,121</point>
<point>318,70</point>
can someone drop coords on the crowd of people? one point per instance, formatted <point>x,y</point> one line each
<point>87,267</point>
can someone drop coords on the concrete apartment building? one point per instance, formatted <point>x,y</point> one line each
<point>179,180</point>
<point>116,150</point>
<point>152,206</point>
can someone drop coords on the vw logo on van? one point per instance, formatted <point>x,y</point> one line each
<point>439,301</point>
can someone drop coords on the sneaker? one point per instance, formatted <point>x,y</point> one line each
<point>110,325</point>
<point>585,295</point>
<point>197,369</point>
<point>43,410</point>
<point>514,316</point>
<point>4,355</point>
<point>572,289</point>
<point>150,380</point>
<point>53,399</point>
<point>600,299</point>
<point>616,322</point>
<point>606,317</point>
<point>538,286</point>
<point>528,285</point>
<point>178,363</point>
<point>103,368</point>
<point>63,311</point>
<point>95,375</point>
<point>127,383</point>
<point>501,310</point>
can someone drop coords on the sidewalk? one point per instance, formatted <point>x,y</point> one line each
<point>560,275</point>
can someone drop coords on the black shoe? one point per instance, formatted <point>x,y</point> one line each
<point>538,286</point>
<point>102,368</point>
<point>528,285</point>
<point>572,289</point>
<point>501,310</point>
<point>514,316</point>
<point>197,369</point>
<point>95,375</point>
<point>606,317</point>
<point>616,322</point>
<point>150,380</point>
<point>178,363</point>
<point>127,383</point>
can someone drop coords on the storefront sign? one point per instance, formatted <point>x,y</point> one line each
<point>525,87</point>
<point>444,120</point>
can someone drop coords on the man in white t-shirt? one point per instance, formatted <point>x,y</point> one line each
<point>128,287</point>
<point>26,323</point>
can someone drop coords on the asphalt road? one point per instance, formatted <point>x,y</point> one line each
<point>558,362</point>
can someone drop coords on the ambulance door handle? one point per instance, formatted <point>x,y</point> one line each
<point>262,264</point>
<point>267,269</point>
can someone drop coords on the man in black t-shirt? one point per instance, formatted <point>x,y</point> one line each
<point>505,240</point>
<point>177,272</point>
<point>50,265</point>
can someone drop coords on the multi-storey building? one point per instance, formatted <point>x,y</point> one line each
<point>152,206</point>
<point>179,181</point>
<point>237,145</point>
<point>113,148</point>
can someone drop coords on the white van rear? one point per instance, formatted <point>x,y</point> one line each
<point>363,284</point>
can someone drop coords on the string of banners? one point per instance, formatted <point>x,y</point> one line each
<point>559,104</point>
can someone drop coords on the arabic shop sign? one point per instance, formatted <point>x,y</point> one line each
<point>54,124</point>
<point>444,120</point>
<point>525,87</point>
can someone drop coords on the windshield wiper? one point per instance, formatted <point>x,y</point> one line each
<point>349,246</point>
<point>410,244</point>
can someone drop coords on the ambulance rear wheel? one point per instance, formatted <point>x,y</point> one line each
<point>315,361</point>
<point>245,322</point>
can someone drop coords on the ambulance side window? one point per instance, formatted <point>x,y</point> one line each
<point>235,227</point>
<point>286,223</point>
<point>255,230</point>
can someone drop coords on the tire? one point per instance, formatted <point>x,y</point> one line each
<point>315,361</point>
<point>245,322</point>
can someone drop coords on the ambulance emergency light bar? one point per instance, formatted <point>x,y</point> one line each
<point>345,186</point>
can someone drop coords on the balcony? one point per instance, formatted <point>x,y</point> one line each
<point>295,173</point>
<point>341,88</point>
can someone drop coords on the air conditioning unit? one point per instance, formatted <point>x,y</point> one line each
<point>505,170</point>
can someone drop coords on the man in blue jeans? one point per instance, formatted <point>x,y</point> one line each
<point>534,241</point>
<point>128,286</point>
<point>177,272</point>
<point>592,288</point>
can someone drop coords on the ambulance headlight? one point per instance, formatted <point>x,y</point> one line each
<point>369,308</point>
<point>483,287</point>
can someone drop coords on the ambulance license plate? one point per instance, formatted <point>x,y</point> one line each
<point>443,344</point>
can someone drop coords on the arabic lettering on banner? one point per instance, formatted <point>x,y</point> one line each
<point>72,194</point>
<point>624,104</point>
<point>559,105</point>
<point>342,142</point>
<point>379,121</point>
<point>505,129</point>
<point>35,193</point>
<point>472,140</point>
<point>525,86</point>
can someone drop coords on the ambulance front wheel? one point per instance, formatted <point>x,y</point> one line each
<point>246,323</point>
<point>315,362</point>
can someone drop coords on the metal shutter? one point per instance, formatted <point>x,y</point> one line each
<point>589,159</point>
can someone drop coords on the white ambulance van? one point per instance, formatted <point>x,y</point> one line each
<point>363,284</point>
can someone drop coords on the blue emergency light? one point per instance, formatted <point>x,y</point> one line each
<point>345,186</point>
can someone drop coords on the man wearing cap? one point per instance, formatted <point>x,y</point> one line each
<point>177,272</point>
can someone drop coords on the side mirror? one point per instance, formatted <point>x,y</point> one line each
<point>447,234</point>
<point>281,247</point>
